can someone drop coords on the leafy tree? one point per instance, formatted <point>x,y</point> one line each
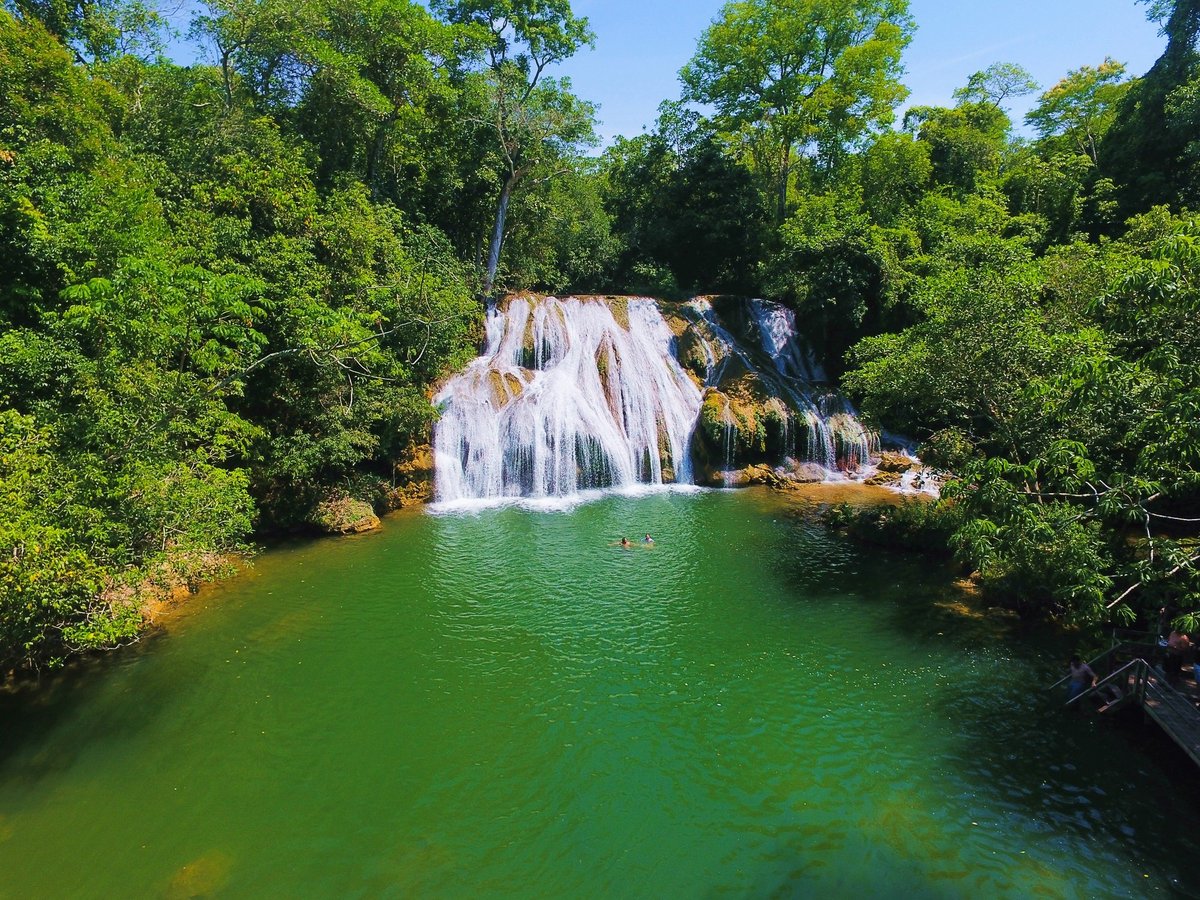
<point>840,272</point>
<point>693,213</point>
<point>896,171</point>
<point>535,120</point>
<point>1143,154</point>
<point>262,46</point>
<point>562,237</point>
<point>801,75</point>
<point>381,98</point>
<point>98,31</point>
<point>1080,108</point>
<point>966,143</point>
<point>995,84</point>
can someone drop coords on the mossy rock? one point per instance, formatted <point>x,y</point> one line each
<point>619,307</point>
<point>342,514</point>
<point>884,479</point>
<point>413,479</point>
<point>895,462</point>
<point>679,324</point>
<point>759,474</point>
<point>804,473</point>
<point>603,351</point>
<point>690,349</point>
<point>505,386</point>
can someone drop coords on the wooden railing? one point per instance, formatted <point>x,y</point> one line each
<point>1129,681</point>
<point>1137,681</point>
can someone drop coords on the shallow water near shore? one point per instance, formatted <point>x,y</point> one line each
<point>507,703</point>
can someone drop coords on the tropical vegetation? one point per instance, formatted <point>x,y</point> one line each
<point>227,288</point>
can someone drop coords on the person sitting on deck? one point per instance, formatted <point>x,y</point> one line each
<point>1178,646</point>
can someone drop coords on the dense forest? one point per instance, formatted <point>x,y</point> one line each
<point>226,289</point>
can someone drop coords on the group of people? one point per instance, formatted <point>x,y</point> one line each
<point>626,543</point>
<point>1178,650</point>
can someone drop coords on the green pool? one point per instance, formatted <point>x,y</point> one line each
<point>505,703</point>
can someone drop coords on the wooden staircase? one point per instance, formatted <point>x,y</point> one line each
<point>1130,680</point>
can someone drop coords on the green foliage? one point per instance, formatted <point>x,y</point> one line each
<point>1081,108</point>
<point>1071,425</point>
<point>199,336</point>
<point>995,84</point>
<point>684,220</point>
<point>896,170</point>
<point>966,144</point>
<point>1145,151</point>
<point>840,272</point>
<point>536,121</point>
<point>920,525</point>
<point>799,74</point>
<point>227,291</point>
<point>100,30</point>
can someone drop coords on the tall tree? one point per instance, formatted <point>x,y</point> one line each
<point>1143,153</point>
<point>1081,107</point>
<point>98,30</point>
<point>995,84</point>
<point>801,75</point>
<point>534,118</point>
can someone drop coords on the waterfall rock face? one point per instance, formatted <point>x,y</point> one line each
<point>591,393</point>
<point>566,398</point>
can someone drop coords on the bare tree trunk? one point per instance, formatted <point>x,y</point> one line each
<point>785,176</point>
<point>493,262</point>
<point>227,76</point>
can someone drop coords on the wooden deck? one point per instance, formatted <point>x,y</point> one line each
<point>1126,675</point>
<point>1175,712</point>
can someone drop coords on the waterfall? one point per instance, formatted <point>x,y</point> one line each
<point>565,398</point>
<point>579,394</point>
<point>837,439</point>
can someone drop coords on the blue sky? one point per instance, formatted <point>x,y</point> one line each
<point>642,44</point>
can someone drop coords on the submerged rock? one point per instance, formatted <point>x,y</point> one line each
<point>885,479</point>
<point>803,472</point>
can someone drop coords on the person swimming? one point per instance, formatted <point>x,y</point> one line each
<point>648,540</point>
<point>625,542</point>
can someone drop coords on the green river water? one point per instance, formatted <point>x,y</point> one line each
<point>504,703</point>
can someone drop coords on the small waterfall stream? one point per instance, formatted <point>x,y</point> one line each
<point>578,394</point>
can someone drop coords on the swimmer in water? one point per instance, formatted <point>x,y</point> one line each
<point>648,540</point>
<point>625,542</point>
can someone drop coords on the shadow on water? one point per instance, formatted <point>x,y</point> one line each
<point>1017,731</point>
<point>36,706</point>
<point>617,696</point>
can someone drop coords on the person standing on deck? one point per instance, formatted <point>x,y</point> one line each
<point>1082,678</point>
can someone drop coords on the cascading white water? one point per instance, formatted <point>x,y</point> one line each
<point>565,399</point>
<point>576,394</point>
<point>837,439</point>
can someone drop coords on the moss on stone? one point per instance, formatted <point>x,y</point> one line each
<point>342,514</point>
<point>619,307</point>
